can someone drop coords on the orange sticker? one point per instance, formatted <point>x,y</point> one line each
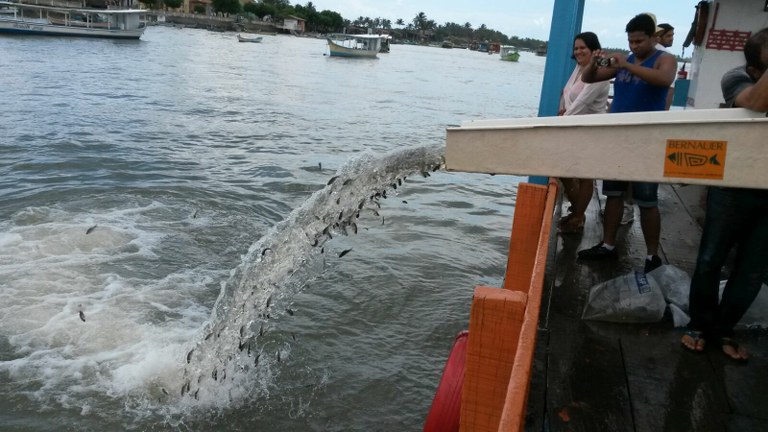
<point>699,159</point>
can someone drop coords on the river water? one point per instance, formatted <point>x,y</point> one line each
<point>228,283</point>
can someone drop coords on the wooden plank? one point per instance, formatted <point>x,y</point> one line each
<point>495,321</point>
<point>655,147</point>
<point>523,243</point>
<point>513,416</point>
<point>671,389</point>
<point>586,387</point>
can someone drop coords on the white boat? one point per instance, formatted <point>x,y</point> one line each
<point>509,53</point>
<point>366,46</point>
<point>58,19</point>
<point>256,39</point>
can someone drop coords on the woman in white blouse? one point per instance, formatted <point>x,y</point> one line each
<point>581,98</point>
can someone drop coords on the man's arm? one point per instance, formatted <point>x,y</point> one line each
<point>754,97</point>
<point>662,74</point>
<point>593,73</point>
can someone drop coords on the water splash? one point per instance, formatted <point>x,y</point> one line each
<point>277,267</point>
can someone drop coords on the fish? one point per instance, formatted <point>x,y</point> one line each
<point>354,227</point>
<point>194,215</point>
<point>164,390</point>
<point>261,330</point>
<point>265,251</point>
<point>362,203</point>
<point>384,194</point>
<point>405,202</point>
<point>290,311</point>
<point>375,213</point>
<point>256,360</point>
<point>344,252</point>
<point>320,166</point>
<point>278,356</point>
<point>208,336</point>
<point>293,335</point>
<point>82,316</point>
<point>90,230</point>
<point>269,301</point>
<point>437,167</point>
<point>346,182</point>
<point>333,179</point>
<point>215,374</point>
<point>399,182</point>
<point>196,392</point>
<point>189,355</point>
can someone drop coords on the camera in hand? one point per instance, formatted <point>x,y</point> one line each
<point>604,61</point>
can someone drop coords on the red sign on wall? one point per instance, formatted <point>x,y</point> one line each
<point>727,40</point>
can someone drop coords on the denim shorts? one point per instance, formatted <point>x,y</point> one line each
<point>644,194</point>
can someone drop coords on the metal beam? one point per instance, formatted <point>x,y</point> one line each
<point>566,24</point>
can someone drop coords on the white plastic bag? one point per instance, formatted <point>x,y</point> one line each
<point>675,284</point>
<point>632,298</point>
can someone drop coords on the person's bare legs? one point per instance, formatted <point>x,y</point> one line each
<point>614,208</point>
<point>650,222</point>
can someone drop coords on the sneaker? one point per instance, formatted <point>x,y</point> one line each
<point>629,214</point>
<point>597,252</point>
<point>652,264</point>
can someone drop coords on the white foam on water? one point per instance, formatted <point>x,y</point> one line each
<point>135,322</point>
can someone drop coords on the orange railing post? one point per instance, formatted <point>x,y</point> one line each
<point>494,326</point>
<point>524,239</point>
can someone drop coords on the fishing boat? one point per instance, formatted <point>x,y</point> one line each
<point>509,53</point>
<point>60,18</point>
<point>363,46</point>
<point>255,39</point>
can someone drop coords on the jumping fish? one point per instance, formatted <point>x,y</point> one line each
<point>344,252</point>
<point>90,230</point>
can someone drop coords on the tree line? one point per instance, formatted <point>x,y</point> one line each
<point>420,29</point>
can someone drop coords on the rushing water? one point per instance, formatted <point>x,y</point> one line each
<point>228,283</point>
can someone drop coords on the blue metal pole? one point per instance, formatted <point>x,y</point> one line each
<point>566,24</point>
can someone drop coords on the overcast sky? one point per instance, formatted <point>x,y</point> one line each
<point>523,18</point>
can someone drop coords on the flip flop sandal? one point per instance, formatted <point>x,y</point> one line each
<point>698,338</point>
<point>726,341</point>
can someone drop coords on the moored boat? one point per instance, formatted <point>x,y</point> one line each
<point>364,46</point>
<point>255,39</point>
<point>59,19</point>
<point>509,53</point>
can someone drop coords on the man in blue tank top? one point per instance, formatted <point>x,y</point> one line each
<point>641,83</point>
